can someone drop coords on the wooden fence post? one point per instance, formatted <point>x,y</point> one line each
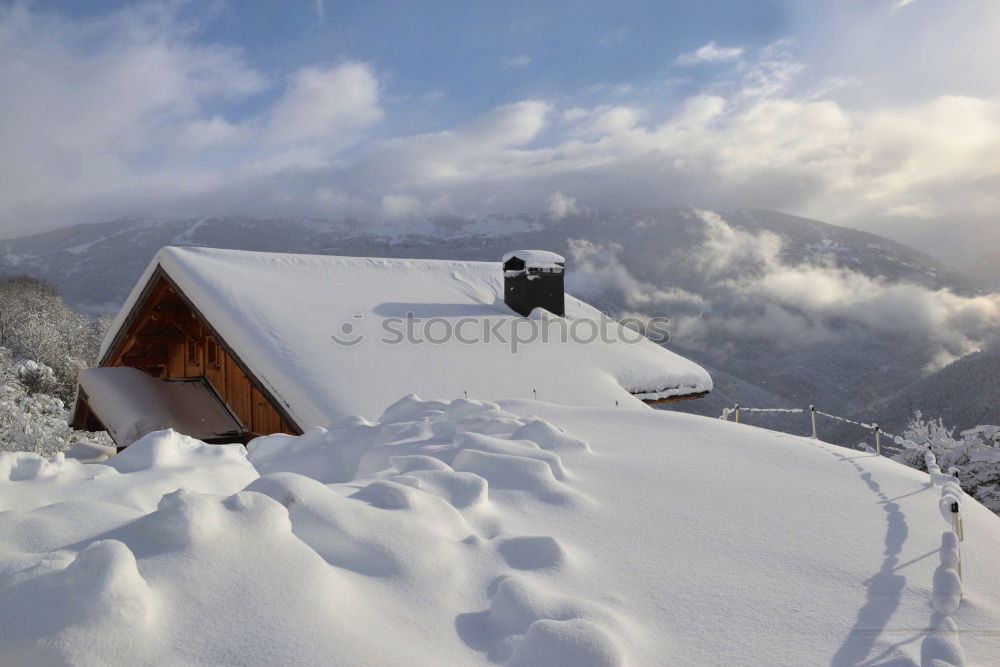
<point>956,527</point>
<point>737,413</point>
<point>878,440</point>
<point>812,411</point>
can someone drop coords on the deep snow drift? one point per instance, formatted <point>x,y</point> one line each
<point>467,532</point>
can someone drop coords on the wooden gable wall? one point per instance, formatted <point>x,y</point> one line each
<point>166,337</point>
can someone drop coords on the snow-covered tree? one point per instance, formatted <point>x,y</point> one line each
<point>37,325</point>
<point>33,421</point>
<point>975,453</point>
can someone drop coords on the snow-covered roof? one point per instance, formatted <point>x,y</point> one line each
<point>332,336</point>
<point>544,259</point>
<point>132,403</point>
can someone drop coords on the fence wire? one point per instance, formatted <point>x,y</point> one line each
<point>898,443</point>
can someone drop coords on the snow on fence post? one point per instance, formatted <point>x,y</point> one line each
<point>932,467</point>
<point>947,588</point>
<point>878,439</point>
<point>737,413</point>
<point>812,410</point>
<point>941,645</point>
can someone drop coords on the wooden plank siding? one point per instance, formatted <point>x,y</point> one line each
<point>166,338</point>
<point>237,390</point>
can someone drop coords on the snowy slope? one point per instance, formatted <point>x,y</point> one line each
<point>281,312</point>
<point>476,533</point>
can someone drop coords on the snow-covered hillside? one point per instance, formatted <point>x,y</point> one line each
<point>468,533</point>
<point>962,393</point>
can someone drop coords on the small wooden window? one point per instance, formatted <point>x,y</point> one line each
<point>192,349</point>
<point>212,353</point>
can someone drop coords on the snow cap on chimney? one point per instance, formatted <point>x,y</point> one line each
<point>534,279</point>
<point>537,259</point>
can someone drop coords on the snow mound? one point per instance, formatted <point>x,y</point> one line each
<point>159,463</point>
<point>532,553</point>
<point>517,448</point>
<point>572,643</point>
<point>98,594</point>
<point>518,473</point>
<point>474,532</point>
<point>547,436</point>
<point>567,631</point>
<point>329,456</point>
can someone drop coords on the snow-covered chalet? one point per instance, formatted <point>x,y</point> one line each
<point>223,345</point>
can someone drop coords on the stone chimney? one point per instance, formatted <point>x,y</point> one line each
<point>534,279</point>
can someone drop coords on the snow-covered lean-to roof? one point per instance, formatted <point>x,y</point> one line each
<point>280,313</point>
<point>132,404</point>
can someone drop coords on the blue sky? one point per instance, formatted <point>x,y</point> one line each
<point>445,61</point>
<point>876,113</point>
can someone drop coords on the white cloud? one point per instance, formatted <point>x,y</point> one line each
<point>399,206</point>
<point>748,288</point>
<point>206,133</point>
<point>803,303</point>
<point>603,121</point>
<point>595,268</point>
<point>129,115</point>
<point>729,250</point>
<point>87,101</point>
<point>519,60</point>
<point>83,100</point>
<point>487,148</point>
<point>326,103</point>
<point>710,53</point>
<point>560,205</point>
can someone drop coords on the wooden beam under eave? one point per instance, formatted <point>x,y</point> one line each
<point>80,412</point>
<point>139,323</point>
<point>84,418</point>
<point>148,340</point>
<point>178,307</point>
<point>188,327</point>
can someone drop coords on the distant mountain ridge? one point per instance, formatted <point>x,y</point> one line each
<point>95,264</point>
